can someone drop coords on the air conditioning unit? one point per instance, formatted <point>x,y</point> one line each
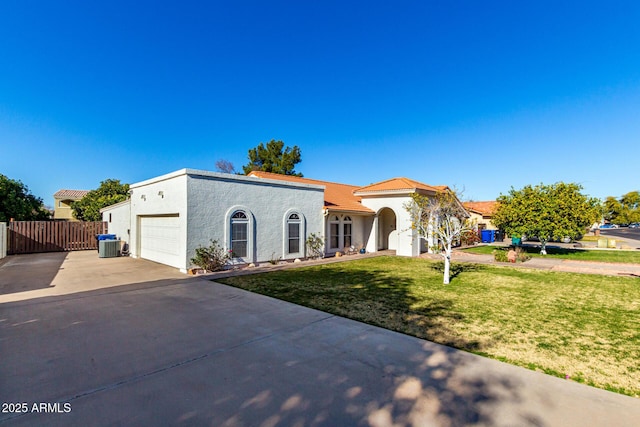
<point>108,248</point>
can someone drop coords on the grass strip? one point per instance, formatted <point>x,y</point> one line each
<point>632,257</point>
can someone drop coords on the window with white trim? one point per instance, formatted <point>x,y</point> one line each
<point>334,232</point>
<point>239,234</point>
<point>293,233</point>
<point>346,231</point>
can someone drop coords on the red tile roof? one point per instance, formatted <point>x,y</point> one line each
<point>344,197</point>
<point>70,194</point>
<point>483,208</point>
<point>400,184</point>
<point>337,197</point>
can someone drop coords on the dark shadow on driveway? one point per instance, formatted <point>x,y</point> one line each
<point>191,352</point>
<point>20,273</point>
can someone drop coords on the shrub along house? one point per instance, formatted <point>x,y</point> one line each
<point>262,216</point>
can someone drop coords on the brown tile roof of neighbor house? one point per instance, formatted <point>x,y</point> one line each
<point>337,197</point>
<point>400,184</point>
<point>483,208</point>
<point>70,194</point>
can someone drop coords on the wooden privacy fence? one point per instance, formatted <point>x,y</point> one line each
<point>53,236</point>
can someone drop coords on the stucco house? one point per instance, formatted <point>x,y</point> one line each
<point>62,200</point>
<point>481,213</point>
<point>262,216</point>
<point>373,217</point>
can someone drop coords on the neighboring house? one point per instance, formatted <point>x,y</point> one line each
<point>62,203</point>
<point>262,216</point>
<point>481,213</point>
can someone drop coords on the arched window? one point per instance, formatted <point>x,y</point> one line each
<point>346,231</point>
<point>334,232</point>
<point>293,234</point>
<point>239,234</point>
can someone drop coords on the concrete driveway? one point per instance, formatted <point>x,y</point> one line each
<point>130,342</point>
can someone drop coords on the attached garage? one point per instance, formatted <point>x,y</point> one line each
<point>167,218</point>
<point>159,239</point>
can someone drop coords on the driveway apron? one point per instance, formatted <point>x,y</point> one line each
<point>185,351</point>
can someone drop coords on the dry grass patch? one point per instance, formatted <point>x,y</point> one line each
<point>584,326</point>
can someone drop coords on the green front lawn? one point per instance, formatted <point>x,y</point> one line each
<point>573,254</point>
<point>584,326</point>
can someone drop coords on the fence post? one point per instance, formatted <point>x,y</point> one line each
<point>4,241</point>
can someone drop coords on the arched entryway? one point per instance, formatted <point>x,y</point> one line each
<point>387,230</point>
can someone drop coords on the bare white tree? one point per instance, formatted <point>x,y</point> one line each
<point>440,219</point>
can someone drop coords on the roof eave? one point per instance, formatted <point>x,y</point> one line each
<point>349,211</point>
<point>398,192</point>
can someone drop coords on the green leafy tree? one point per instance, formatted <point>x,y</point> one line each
<point>273,158</point>
<point>110,192</point>
<point>442,217</point>
<point>612,209</point>
<point>18,203</point>
<point>624,210</point>
<point>547,212</point>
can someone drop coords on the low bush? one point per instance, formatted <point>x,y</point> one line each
<point>315,246</point>
<point>211,258</point>
<point>501,255</point>
<point>470,237</point>
<point>274,260</point>
<point>522,255</point>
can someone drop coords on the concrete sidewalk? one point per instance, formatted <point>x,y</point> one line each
<point>185,351</point>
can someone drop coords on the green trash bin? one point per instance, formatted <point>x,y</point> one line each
<point>517,241</point>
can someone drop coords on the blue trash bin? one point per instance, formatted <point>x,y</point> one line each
<point>106,237</point>
<point>488,236</point>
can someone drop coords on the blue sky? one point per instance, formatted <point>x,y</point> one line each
<point>477,95</point>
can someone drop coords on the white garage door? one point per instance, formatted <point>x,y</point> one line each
<point>159,239</point>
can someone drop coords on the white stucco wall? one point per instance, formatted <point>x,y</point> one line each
<point>202,202</point>
<point>213,197</point>
<point>360,230</point>
<point>163,195</point>
<point>408,242</point>
<point>118,219</point>
<point>366,229</point>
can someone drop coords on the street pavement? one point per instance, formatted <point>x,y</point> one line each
<point>153,347</point>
